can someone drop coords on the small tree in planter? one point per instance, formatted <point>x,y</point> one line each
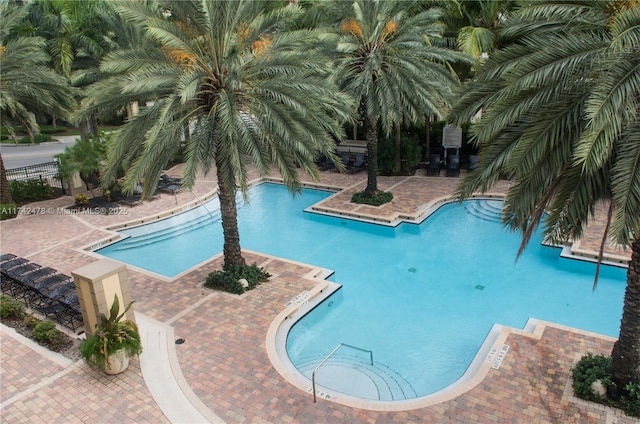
<point>84,158</point>
<point>113,342</point>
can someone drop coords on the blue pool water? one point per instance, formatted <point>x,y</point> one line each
<point>422,297</point>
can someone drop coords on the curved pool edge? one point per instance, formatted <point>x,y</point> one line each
<point>489,357</point>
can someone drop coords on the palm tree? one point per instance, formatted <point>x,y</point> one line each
<point>560,109</point>
<point>387,63</point>
<point>248,89</point>
<point>78,34</point>
<point>27,85</point>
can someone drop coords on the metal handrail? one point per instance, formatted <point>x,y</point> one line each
<point>326,358</point>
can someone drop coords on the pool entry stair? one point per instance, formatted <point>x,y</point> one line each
<point>489,210</point>
<point>356,376</point>
<point>169,232</point>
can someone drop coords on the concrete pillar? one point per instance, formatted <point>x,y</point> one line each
<point>96,285</point>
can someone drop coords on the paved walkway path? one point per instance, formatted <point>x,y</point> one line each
<point>222,373</point>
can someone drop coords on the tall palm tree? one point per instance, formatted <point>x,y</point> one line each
<point>27,85</point>
<point>249,89</point>
<point>78,34</point>
<point>388,64</point>
<point>560,109</point>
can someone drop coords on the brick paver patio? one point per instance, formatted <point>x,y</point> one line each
<point>224,359</point>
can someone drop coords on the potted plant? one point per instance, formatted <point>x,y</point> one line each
<point>114,341</point>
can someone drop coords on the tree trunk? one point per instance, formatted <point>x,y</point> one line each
<point>229,213</point>
<point>89,127</point>
<point>625,358</point>
<point>427,137</point>
<point>5,191</point>
<point>398,158</point>
<point>371,129</point>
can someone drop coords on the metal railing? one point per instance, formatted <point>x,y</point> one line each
<point>326,358</point>
<point>48,172</point>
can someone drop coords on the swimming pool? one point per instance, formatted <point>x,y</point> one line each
<point>422,298</point>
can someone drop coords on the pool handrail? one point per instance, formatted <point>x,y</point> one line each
<point>326,358</point>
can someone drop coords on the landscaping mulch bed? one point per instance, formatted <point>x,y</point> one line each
<point>66,345</point>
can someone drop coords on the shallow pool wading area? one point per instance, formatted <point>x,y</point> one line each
<point>408,313</point>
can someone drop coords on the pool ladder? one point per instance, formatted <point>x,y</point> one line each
<point>326,358</point>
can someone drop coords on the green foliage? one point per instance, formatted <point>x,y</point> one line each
<point>83,158</point>
<point>410,148</point>
<point>8,211</point>
<point>46,332</point>
<point>49,129</point>
<point>37,139</point>
<point>111,335</point>
<point>587,371</point>
<point>30,321</point>
<point>10,308</point>
<point>378,198</point>
<point>4,131</point>
<point>631,399</point>
<point>228,280</point>
<point>592,368</point>
<point>28,191</point>
<point>81,200</point>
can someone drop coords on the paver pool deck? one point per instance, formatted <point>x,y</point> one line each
<point>222,372</point>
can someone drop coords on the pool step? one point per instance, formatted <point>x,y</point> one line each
<point>388,385</point>
<point>169,232</point>
<point>489,210</point>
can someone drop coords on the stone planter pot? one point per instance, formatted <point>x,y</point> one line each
<point>117,362</point>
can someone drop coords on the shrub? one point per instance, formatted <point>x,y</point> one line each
<point>10,308</point>
<point>46,332</point>
<point>30,321</point>
<point>37,139</point>
<point>81,200</point>
<point>30,190</point>
<point>113,336</point>
<point>228,280</point>
<point>378,198</point>
<point>631,399</point>
<point>50,129</point>
<point>587,371</point>
<point>411,152</point>
<point>8,211</point>
<point>592,368</point>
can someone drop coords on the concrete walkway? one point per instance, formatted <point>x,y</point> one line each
<point>163,377</point>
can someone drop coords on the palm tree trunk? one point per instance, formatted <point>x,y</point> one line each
<point>625,358</point>
<point>229,213</point>
<point>427,137</point>
<point>371,129</point>
<point>398,150</point>
<point>5,191</point>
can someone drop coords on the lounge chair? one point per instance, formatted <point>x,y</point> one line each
<point>65,311</point>
<point>170,188</point>
<point>453,166</point>
<point>7,257</point>
<point>12,263</point>
<point>170,180</point>
<point>27,283</point>
<point>169,184</point>
<point>434,165</point>
<point>44,287</point>
<point>17,287</point>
